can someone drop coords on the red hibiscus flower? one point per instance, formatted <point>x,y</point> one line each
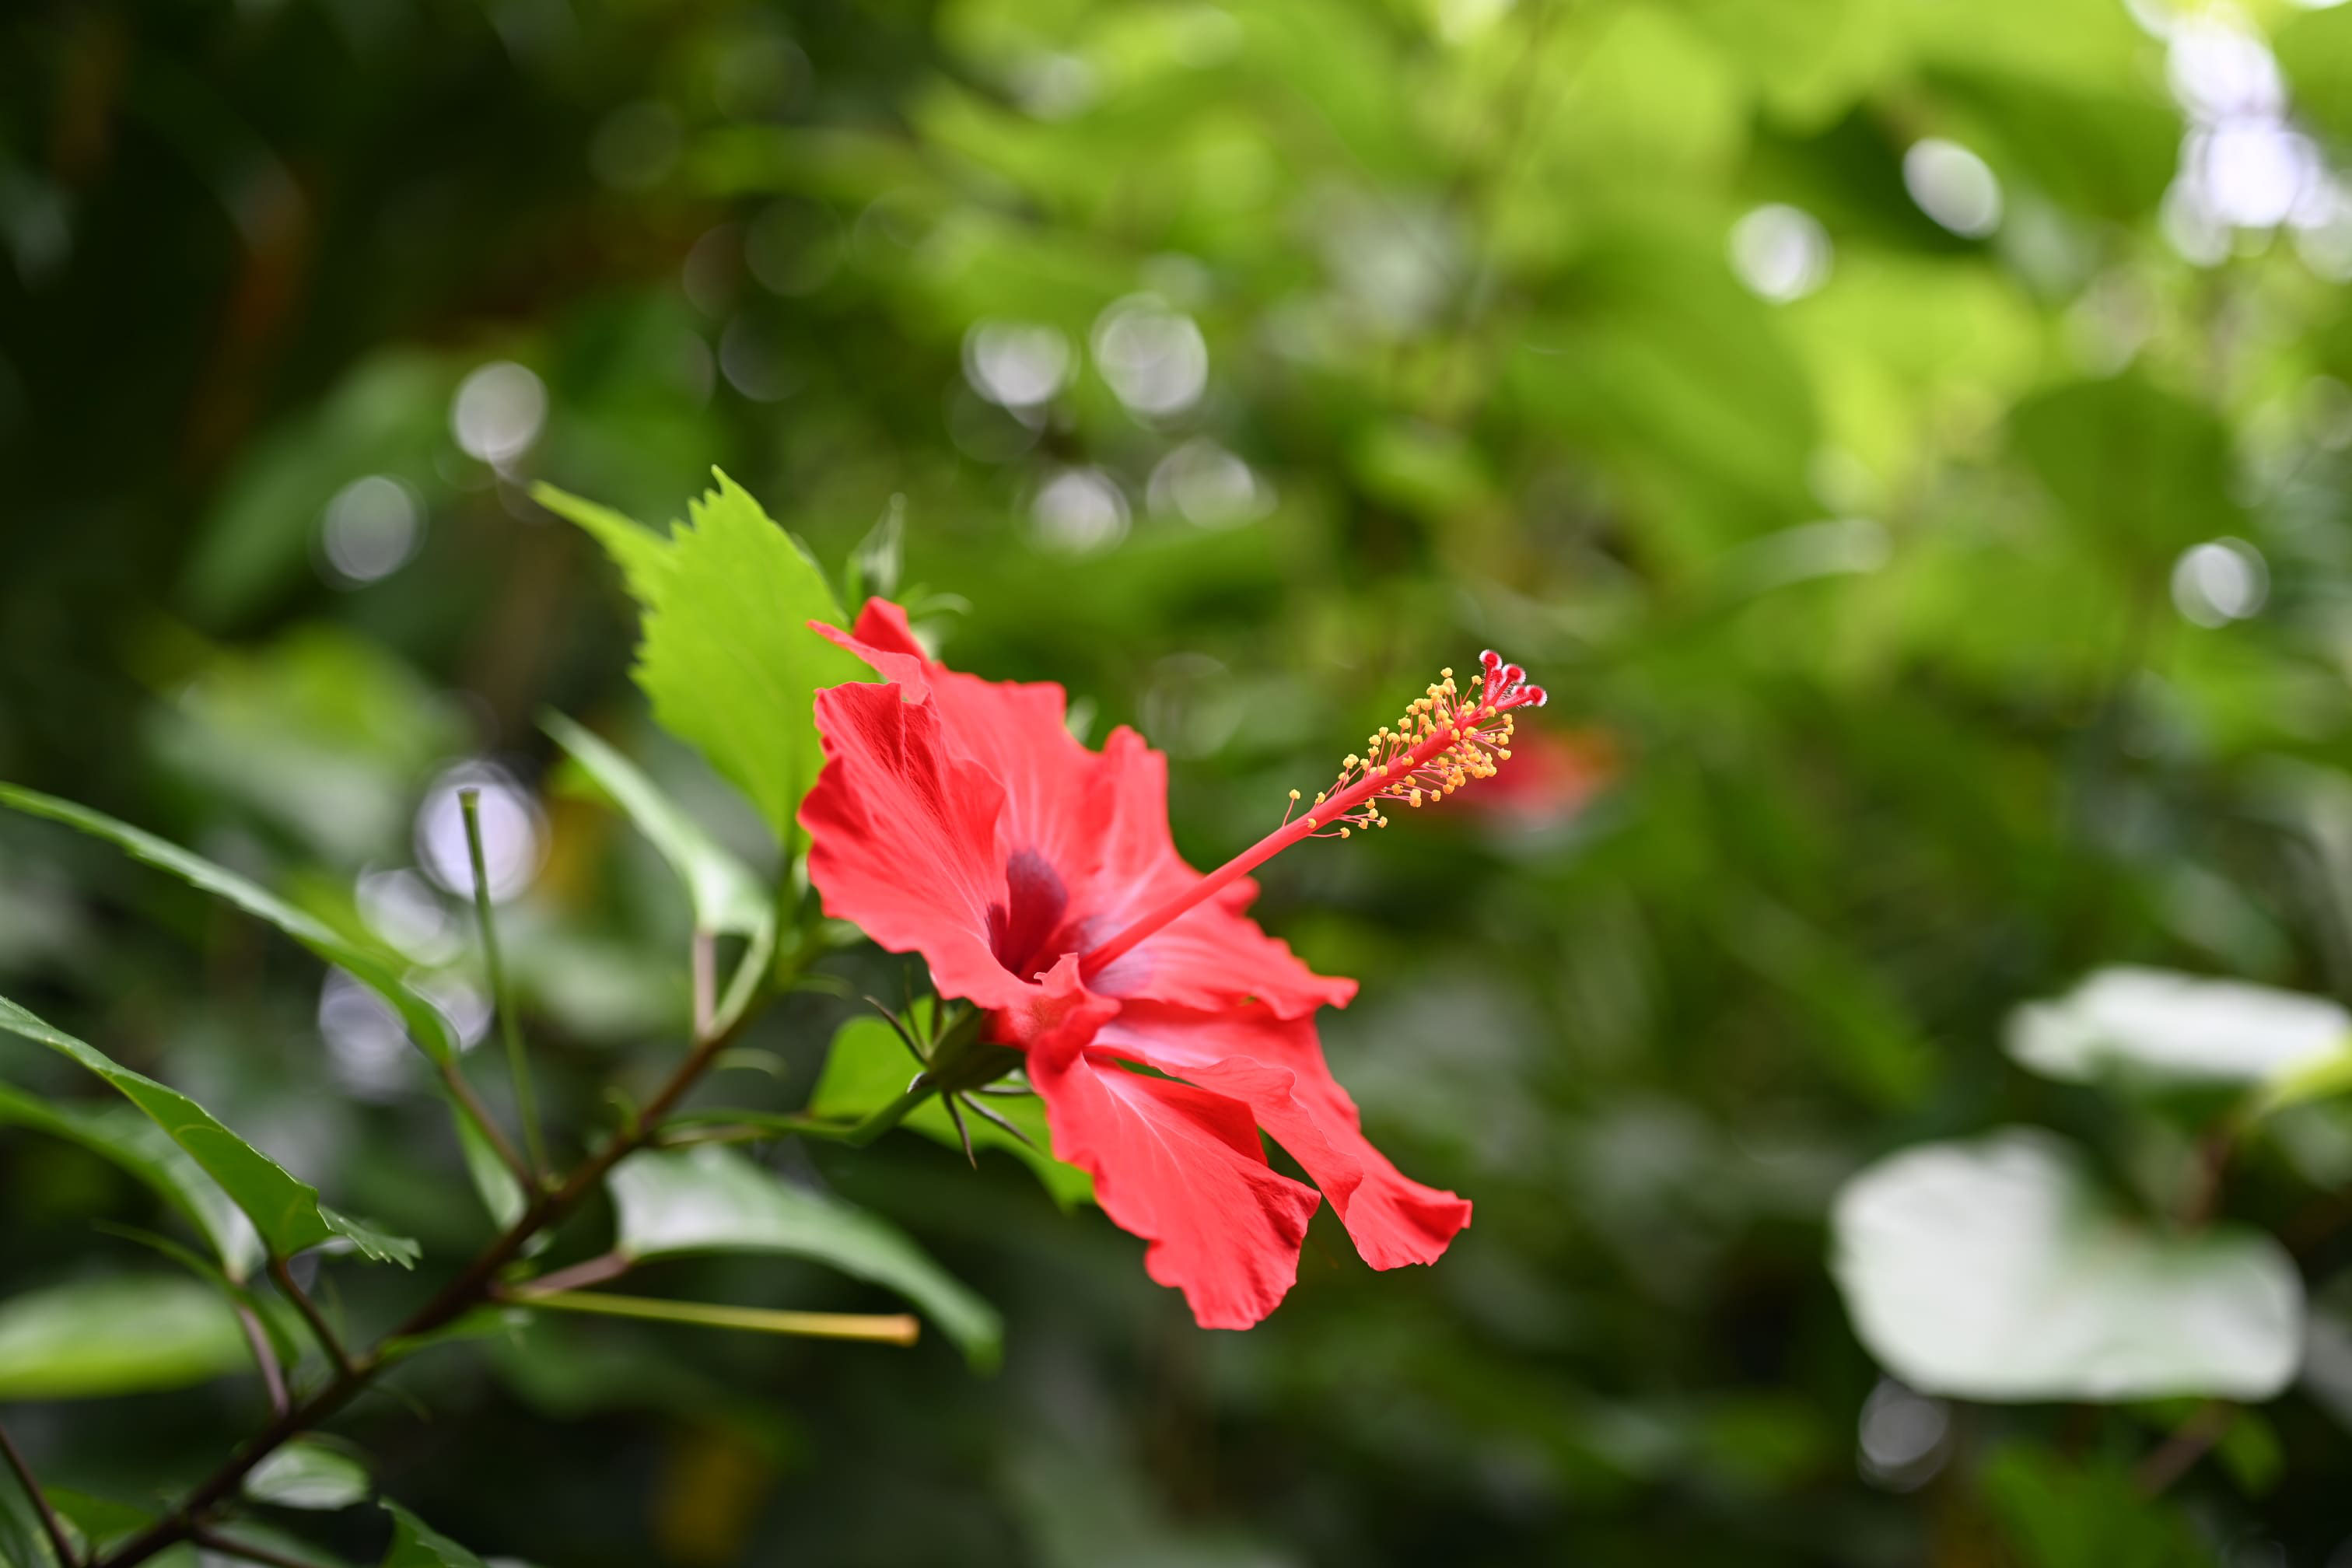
<point>958,819</point>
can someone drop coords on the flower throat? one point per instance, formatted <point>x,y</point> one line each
<point>1445,738</point>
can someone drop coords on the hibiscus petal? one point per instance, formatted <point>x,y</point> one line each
<point>1208,956</point>
<point>1057,796</point>
<point>903,839</point>
<point>1275,1066</point>
<point>1184,1169</point>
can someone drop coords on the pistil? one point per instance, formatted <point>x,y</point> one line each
<point>1444,739</point>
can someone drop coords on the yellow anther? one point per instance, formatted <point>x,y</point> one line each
<point>1445,674</point>
<point>1294,795</point>
<point>1343,833</point>
<point>1311,823</point>
<point>1318,798</point>
<point>1351,762</point>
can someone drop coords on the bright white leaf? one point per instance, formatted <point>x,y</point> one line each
<point>1992,1269</point>
<point>2155,1025</point>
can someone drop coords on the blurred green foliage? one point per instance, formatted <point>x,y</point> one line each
<point>1910,439</point>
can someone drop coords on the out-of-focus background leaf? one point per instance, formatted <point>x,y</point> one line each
<point>1910,439</point>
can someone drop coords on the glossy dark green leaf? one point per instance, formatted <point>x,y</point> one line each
<point>425,1025</point>
<point>146,1151</point>
<point>416,1544</point>
<point>713,1199</point>
<point>285,1210</point>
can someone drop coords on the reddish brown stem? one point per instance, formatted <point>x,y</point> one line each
<point>51,1525</point>
<point>472,1287</point>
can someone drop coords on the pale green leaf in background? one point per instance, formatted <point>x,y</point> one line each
<point>308,1474</point>
<point>1993,1269</point>
<point>713,1199</point>
<point>727,897</point>
<point>118,1334</point>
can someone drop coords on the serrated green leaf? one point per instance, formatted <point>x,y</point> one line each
<point>712,1199</point>
<point>285,1210</point>
<point>868,1067</point>
<point>307,1473</point>
<point>424,1021</point>
<point>641,552</point>
<point>140,1147</point>
<point>117,1335</point>
<point>725,655</point>
<point>416,1544</point>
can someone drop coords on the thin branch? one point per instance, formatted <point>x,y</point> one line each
<point>2189,1443</point>
<point>265,1356</point>
<point>228,1546</point>
<point>320,1330</point>
<point>51,1525</point>
<point>469,801</point>
<point>594,1271</point>
<point>470,1106</point>
<point>704,965</point>
<point>473,1285</point>
<point>888,1328</point>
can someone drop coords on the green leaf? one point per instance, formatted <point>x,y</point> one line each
<point>138,1146</point>
<point>2137,467</point>
<point>416,1544</point>
<point>2157,1026</point>
<point>494,1181</point>
<point>366,963</point>
<point>868,1067</point>
<point>712,1199</point>
<point>307,1473</point>
<point>2061,1515</point>
<point>285,1210</point>
<point>117,1335</point>
<point>727,656</point>
<point>727,897</point>
<point>1992,1269</point>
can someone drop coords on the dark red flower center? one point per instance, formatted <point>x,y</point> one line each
<point>1030,931</point>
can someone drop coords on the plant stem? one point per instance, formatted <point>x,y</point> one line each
<point>2187,1445</point>
<point>888,1328</point>
<point>473,1286</point>
<point>470,1106</point>
<point>273,1376</point>
<point>51,1525</point>
<point>596,1271</point>
<point>320,1330</point>
<point>469,801</point>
